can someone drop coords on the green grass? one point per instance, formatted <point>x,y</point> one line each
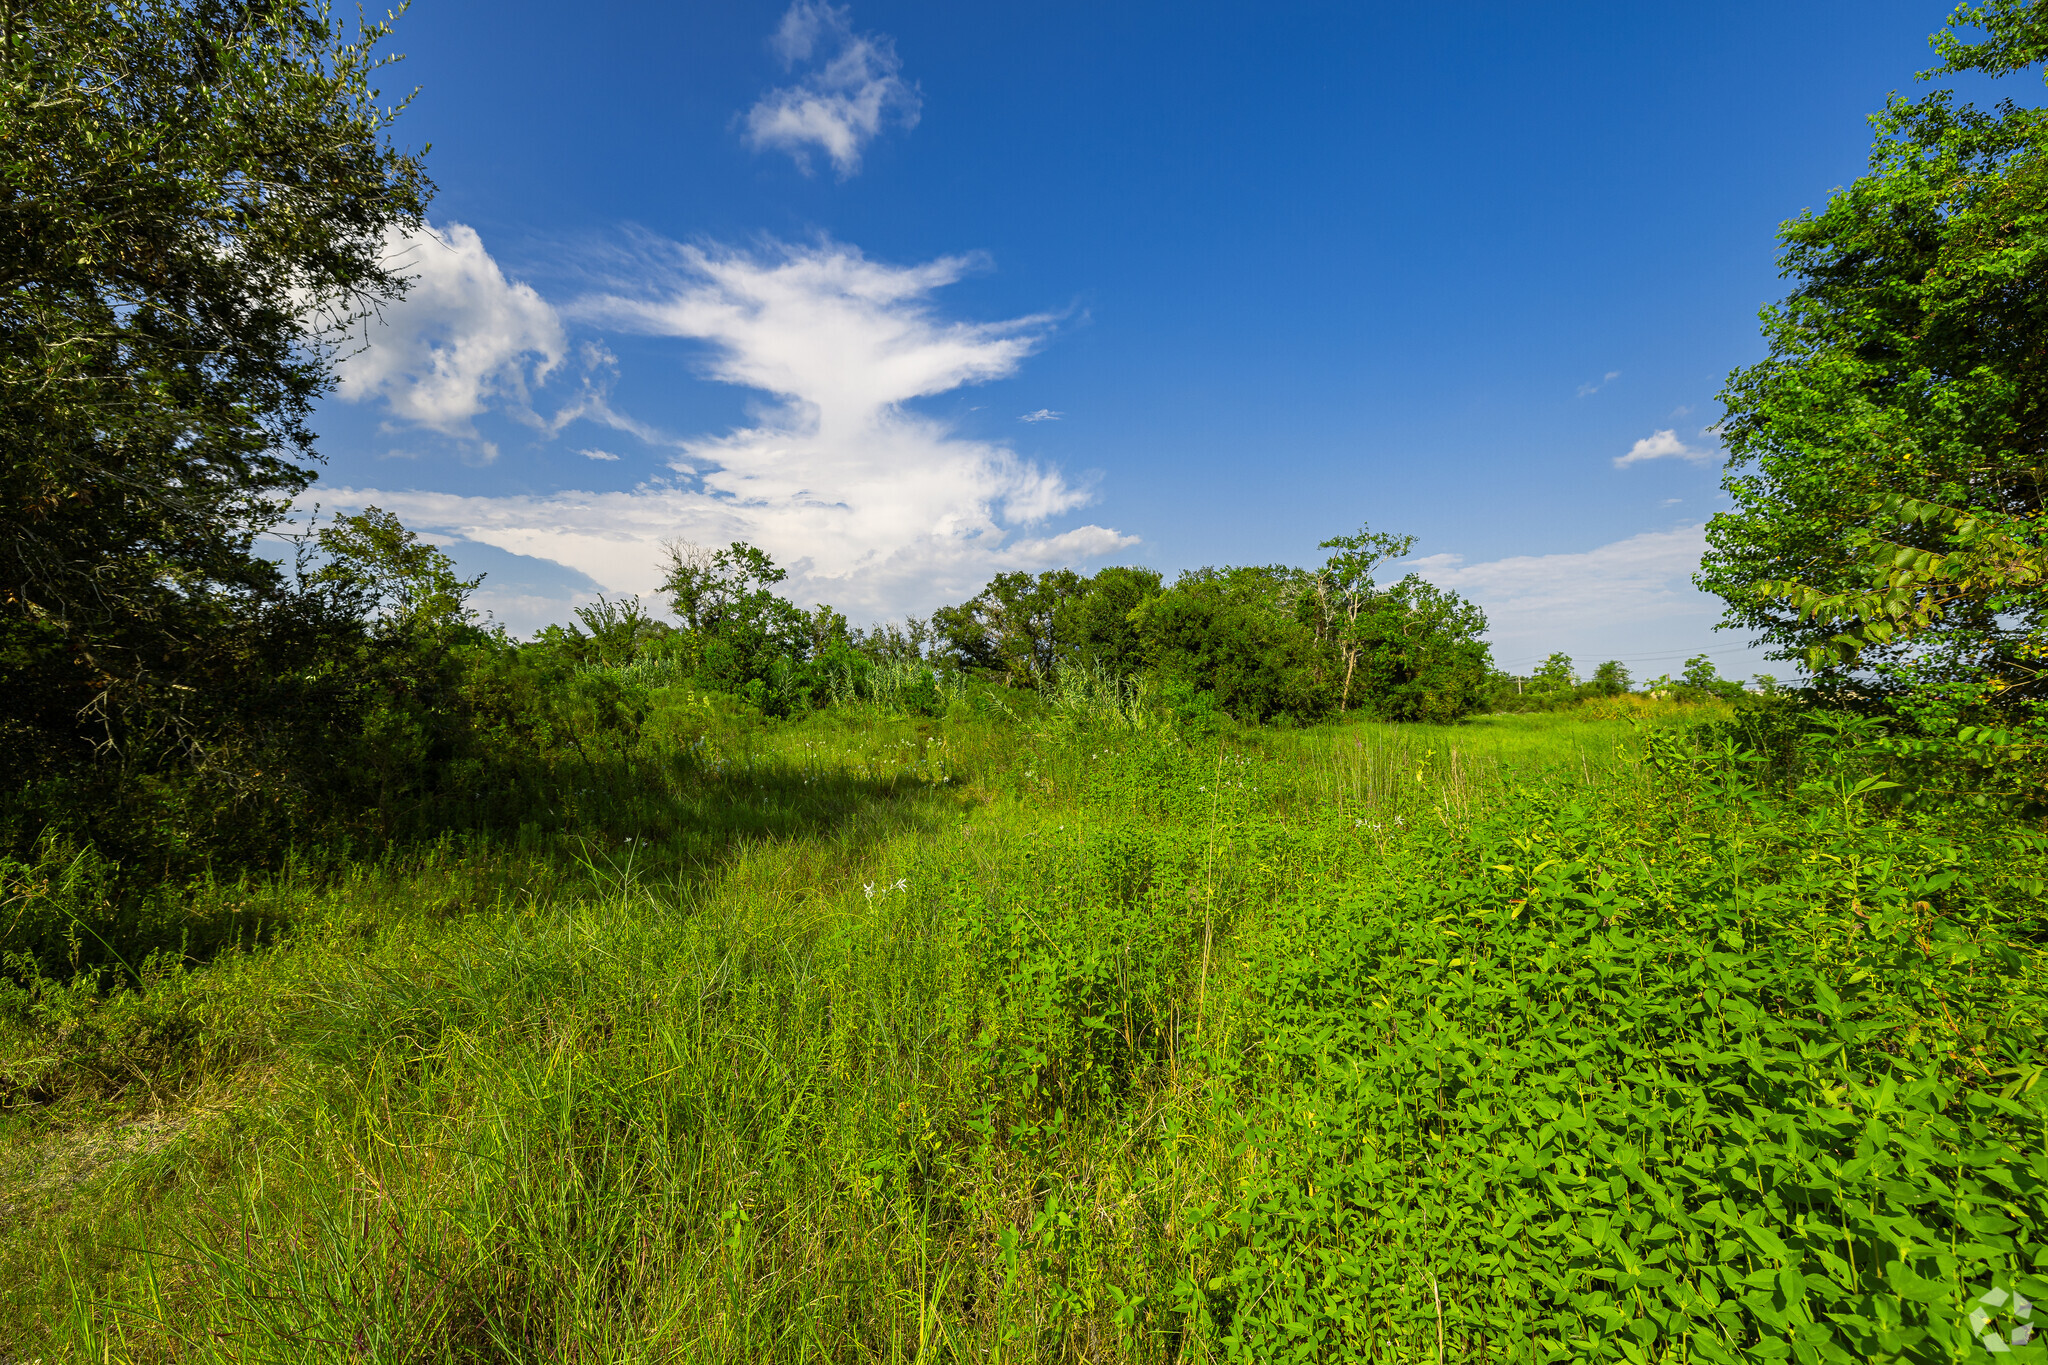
<point>863,1038</point>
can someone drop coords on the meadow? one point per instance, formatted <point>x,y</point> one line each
<point>1060,1032</point>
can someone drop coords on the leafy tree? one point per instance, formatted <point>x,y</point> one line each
<point>706,587</point>
<point>1555,674</point>
<point>1702,679</point>
<point>1093,628</point>
<point>1008,627</point>
<point>825,629</point>
<point>1610,679</point>
<point>616,628</point>
<point>1237,636</point>
<point>892,642</point>
<point>195,203</point>
<point>1344,589</point>
<point>727,598</point>
<point>1889,456</point>
<point>409,583</point>
<point>688,581</point>
<point>1422,655</point>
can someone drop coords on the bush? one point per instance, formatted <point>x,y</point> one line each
<point>1537,1094</point>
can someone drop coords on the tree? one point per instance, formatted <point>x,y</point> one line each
<point>1422,654</point>
<point>196,201</point>
<point>727,597</point>
<point>408,582</point>
<point>708,587</point>
<point>1555,674</point>
<point>905,643</point>
<point>1610,679</point>
<point>1007,627</point>
<point>1236,635</point>
<point>1889,457</point>
<point>1701,680</point>
<point>1344,588</point>
<point>1093,629</point>
<point>826,629</point>
<point>616,628</point>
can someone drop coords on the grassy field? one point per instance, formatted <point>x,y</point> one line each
<point>1062,1038</point>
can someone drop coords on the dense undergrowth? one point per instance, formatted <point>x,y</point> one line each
<point>1073,1035</point>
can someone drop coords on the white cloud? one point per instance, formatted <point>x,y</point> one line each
<point>873,507</point>
<point>1628,580</point>
<point>1660,445</point>
<point>616,538</point>
<point>843,102</point>
<point>1042,415</point>
<point>597,455</point>
<point>1632,599</point>
<point>462,339</point>
<point>1586,390</point>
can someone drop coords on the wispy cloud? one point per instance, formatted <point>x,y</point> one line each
<point>1632,599</point>
<point>1662,445</point>
<point>849,92</point>
<point>463,339</point>
<point>1644,575</point>
<point>597,455</point>
<point>1042,415</point>
<point>874,507</point>
<point>1586,390</point>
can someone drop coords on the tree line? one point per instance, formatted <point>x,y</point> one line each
<point>1261,644</point>
<point>193,216</point>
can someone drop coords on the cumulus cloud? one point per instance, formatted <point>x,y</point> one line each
<point>849,93</point>
<point>464,337</point>
<point>871,505</point>
<point>597,455</point>
<point>1042,415</point>
<point>1661,445</point>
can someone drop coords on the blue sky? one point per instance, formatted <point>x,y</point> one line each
<point>804,275</point>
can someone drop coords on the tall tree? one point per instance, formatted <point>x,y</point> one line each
<point>195,202</point>
<point>1093,628</point>
<point>1422,654</point>
<point>1889,457</point>
<point>1008,626</point>
<point>1344,589</point>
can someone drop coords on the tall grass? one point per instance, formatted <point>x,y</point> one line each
<point>998,1039</point>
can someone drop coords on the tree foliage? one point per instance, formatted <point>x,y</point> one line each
<point>1236,634</point>
<point>1423,658</point>
<point>1889,456</point>
<point>1258,642</point>
<point>195,203</point>
<point>409,584</point>
<point>1008,628</point>
<point>1345,589</point>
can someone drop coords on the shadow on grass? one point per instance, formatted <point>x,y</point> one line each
<point>677,819</point>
